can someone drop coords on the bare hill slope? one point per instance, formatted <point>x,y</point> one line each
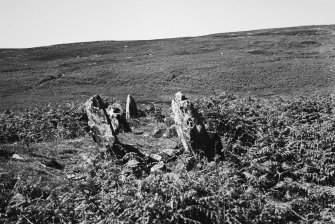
<point>288,61</point>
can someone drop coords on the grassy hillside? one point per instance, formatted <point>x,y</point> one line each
<point>263,63</point>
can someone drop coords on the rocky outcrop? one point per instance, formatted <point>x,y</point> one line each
<point>131,108</point>
<point>191,130</point>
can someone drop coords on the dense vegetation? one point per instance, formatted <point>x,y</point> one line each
<point>278,168</point>
<point>41,124</point>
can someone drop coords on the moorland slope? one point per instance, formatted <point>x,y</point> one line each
<point>264,63</point>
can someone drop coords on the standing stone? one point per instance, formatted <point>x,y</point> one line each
<point>190,129</point>
<point>100,123</point>
<point>131,108</point>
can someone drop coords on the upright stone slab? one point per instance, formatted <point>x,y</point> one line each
<point>131,108</point>
<point>190,129</point>
<point>101,125</point>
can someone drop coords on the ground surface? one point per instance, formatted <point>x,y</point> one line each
<point>263,63</point>
<point>57,163</point>
<point>37,160</point>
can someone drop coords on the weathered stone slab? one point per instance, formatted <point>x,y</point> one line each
<point>190,129</point>
<point>101,126</point>
<point>131,107</point>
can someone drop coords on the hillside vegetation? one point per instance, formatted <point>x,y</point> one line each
<point>263,63</point>
<point>278,167</point>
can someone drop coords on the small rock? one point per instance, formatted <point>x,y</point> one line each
<point>158,168</point>
<point>133,163</point>
<point>52,163</point>
<point>17,157</point>
<point>70,176</point>
<point>169,152</point>
<point>156,157</point>
<point>157,133</point>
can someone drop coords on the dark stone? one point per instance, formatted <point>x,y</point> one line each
<point>191,130</point>
<point>131,107</point>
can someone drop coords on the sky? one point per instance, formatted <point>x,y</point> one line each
<point>33,23</point>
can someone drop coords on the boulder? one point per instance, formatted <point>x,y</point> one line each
<point>190,129</point>
<point>131,108</point>
<point>102,127</point>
